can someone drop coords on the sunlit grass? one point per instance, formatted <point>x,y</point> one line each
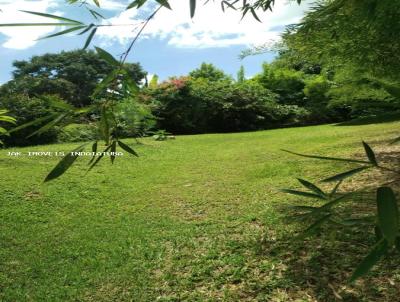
<point>193,219</point>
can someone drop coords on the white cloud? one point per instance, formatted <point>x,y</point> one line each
<point>24,37</point>
<point>210,27</point>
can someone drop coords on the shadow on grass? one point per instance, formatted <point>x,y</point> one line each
<point>384,118</point>
<point>320,266</point>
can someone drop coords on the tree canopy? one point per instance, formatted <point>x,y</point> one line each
<point>72,75</point>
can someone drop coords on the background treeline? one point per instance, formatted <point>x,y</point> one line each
<point>288,92</point>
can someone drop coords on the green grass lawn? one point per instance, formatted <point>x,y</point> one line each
<point>198,218</point>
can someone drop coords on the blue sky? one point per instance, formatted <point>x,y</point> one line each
<point>172,44</point>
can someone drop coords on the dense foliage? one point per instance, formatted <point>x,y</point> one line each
<point>72,75</point>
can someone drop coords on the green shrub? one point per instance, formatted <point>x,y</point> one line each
<point>27,109</point>
<point>134,119</point>
<point>355,101</point>
<point>78,133</point>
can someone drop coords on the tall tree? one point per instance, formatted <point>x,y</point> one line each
<point>71,75</point>
<point>208,71</point>
<point>241,75</point>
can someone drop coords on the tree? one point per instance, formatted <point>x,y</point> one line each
<point>359,33</point>
<point>208,71</point>
<point>287,83</point>
<point>154,81</point>
<point>241,75</point>
<point>71,75</point>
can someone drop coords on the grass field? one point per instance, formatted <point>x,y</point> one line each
<point>198,218</point>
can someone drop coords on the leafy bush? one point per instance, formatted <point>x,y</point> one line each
<point>355,100</point>
<point>316,99</point>
<point>27,109</point>
<point>288,84</point>
<point>198,105</point>
<point>78,133</point>
<point>134,119</point>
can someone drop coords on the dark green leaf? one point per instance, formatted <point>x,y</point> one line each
<point>102,86</point>
<point>63,32</point>
<point>94,150</point>
<point>113,151</point>
<point>86,29</point>
<point>328,158</point>
<point>90,37</point>
<point>96,15</point>
<point>164,3</point>
<point>32,123</point>
<point>36,24</point>
<point>136,3</point>
<point>253,12</point>
<point>372,258</point>
<point>56,103</point>
<point>370,154</point>
<point>344,175</point>
<point>127,148</point>
<point>51,16</point>
<point>192,8</point>
<point>64,164</point>
<point>97,3</point>
<point>388,213</point>
<point>104,124</point>
<point>49,125</point>
<point>107,56</point>
<point>99,158</point>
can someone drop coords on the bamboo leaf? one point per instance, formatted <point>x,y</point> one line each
<point>107,56</point>
<point>164,3</point>
<point>51,16</point>
<point>49,125</point>
<point>372,258</point>
<point>388,213</point>
<point>32,123</point>
<point>98,159</point>
<point>104,125</point>
<point>90,37</point>
<point>64,164</point>
<point>94,150</point>
<point>86,29</point>
<point>113,150</point>
<point>127,148</point>
<point>192,8</point>
<point>63,32</point>
<point>36,24</point>
<point>136,3</point>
